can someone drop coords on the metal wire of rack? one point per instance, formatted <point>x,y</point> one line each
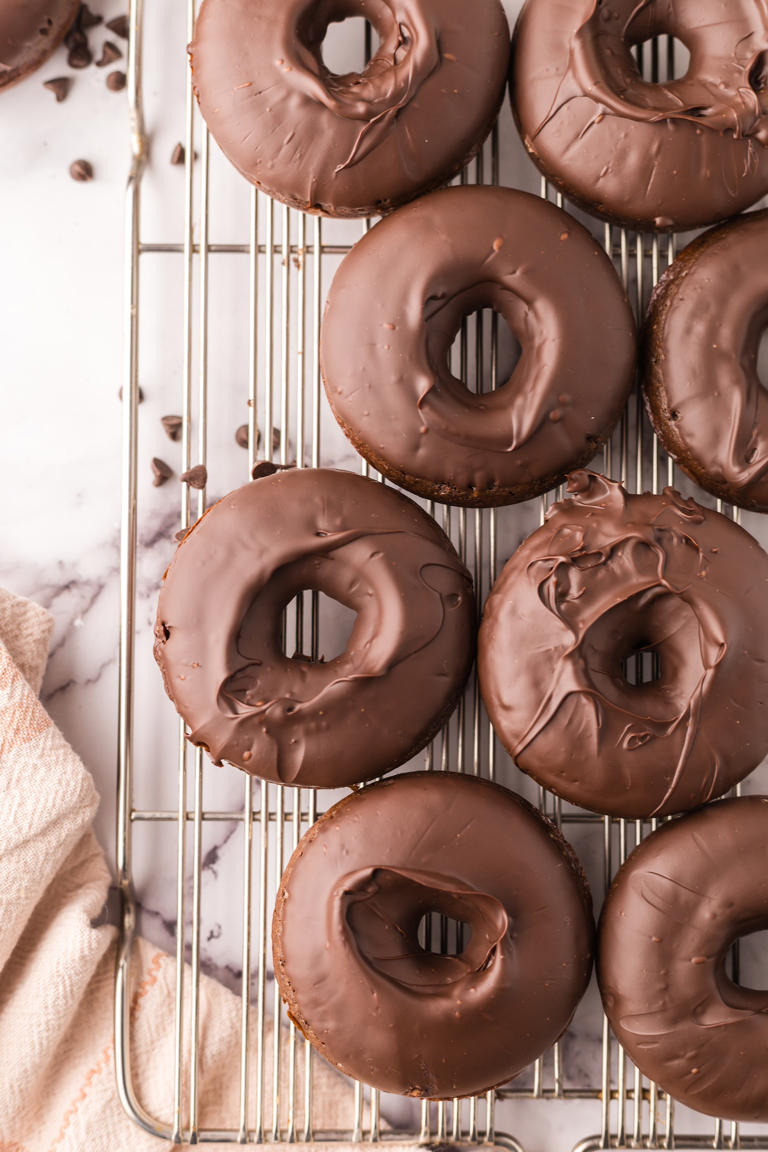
<point>289,259</point>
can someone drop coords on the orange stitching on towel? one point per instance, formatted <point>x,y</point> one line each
<point>151,978</point>
<point>149,981</point>
<point>91,1075</point>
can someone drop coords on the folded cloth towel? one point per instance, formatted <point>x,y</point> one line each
<point>57,958</point>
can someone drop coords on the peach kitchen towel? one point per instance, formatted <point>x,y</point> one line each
<point>57,1071</point>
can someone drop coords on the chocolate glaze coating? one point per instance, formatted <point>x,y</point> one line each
<point>355,144</point>
<point>609,574</point>
<point>677,155</point>
<point>389,325</point>
<point>30,32</point>
<point>298,721</point>
<point>346,950</point>
<point>685,894</point>
<point>701,343</point>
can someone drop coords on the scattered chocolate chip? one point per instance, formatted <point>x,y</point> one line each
<point>275,439</point>
<point>160,471</point>
<point>119,26</point>
<point>267,468</point>
<point>179,536</point>
<point>60,87</point>
<point>179,155</point>
<point>116,81</point>
<point>172,426</point>
<point>87,19</point>
<point>75,36</point>
<point>80,55</point>
<point>141,395</point>
<point>196,477</point>
<point>241,436</point>
<point>81,170</point>
<point>109,53</point>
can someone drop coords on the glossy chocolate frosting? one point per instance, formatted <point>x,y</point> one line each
<point>673,155</point>
<point>30,31</point>
<point>702,337</point>
<point>396,304</point>
<point>358,143</point>
<point>607,575</point>
<point>674,910</point>
<point>294,720</point>
<point>347,957</point>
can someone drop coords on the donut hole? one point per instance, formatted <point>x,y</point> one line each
<point>644,655</point>
<point>758,73</point>
<point>762,359</point>
<point>443,935</point>
<point>484,350</point>
<point>412,928</point>
<point>662,59</point>
<point>335,625</point>
<point>749,961</point>
<point>475,337</point>
<point>348,46</point>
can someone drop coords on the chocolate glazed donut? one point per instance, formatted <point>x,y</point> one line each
<point>390,321</point>
<point>356,144</point>
<point>297,721</point>
<point>346,948</point>
<point>702,338</point>
<point>677,155</point>
<point>30,32</point>
<point>606,576</point>
<point>680,901</point>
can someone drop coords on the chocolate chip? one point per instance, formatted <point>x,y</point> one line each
<point>179,536</point>
<point>241,436</point>
<point>60,87</point>
<point>141,394</point>
<point>172,426</point>
<point>179,155</point>
<point>87,19</point>
<point>109,53</point>
<point>196,477</point>
<point>267,468</point>
<point>160,471</point>
<point>80,55</point>
<point>275,439</point>
<point>81,170</point>
<point>75,36</point>
<point>119,26</point>
<point>116,81</point>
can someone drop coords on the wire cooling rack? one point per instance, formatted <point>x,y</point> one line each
<point>274,265</point>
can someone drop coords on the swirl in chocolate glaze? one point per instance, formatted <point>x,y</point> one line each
<point>673,155</point>
<point>348,960</point>
<point>702,336</point>
<point>358,143</point>
<point>683,897</point>
<point>389,325</point>
<point>608,575</point>
<point>297,721</point>
<point>30,31</point>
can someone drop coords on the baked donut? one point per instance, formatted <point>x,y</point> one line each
<point>294,720</point>
<point>360,143</point>
<point>390,321</point>
<point>30,32</point>
<point>701,343</point>
<point>345,935</point>
<point>677,155</point>
<point>606,576</point>
<point>683,897</point>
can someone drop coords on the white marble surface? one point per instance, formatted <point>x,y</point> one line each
<point>61,246</point>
